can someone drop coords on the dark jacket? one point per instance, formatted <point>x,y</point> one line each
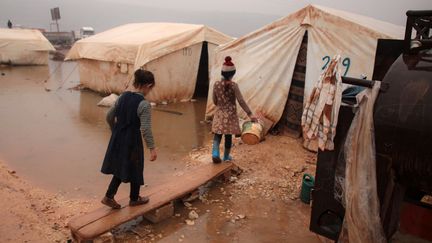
<point>124,157</point>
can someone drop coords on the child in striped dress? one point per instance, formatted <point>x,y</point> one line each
<point>130,120</point>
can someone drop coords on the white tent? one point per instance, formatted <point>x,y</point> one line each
<point>265,59</point>
<point>171,51</point>
<point>24,47</point>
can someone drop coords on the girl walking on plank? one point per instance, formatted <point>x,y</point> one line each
<point>130,120</point>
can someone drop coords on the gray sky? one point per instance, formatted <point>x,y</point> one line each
<point>233,17</point>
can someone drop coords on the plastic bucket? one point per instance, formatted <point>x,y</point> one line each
<point>307,185</point>
<point>251,132</point>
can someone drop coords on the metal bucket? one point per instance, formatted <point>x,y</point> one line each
<point>252,132</point>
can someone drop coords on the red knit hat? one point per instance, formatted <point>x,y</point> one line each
<point>228,66</point>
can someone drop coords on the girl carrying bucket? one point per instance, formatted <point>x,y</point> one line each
<point>225,120</point>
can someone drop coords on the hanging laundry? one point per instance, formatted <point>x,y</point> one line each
<point>320,113</point>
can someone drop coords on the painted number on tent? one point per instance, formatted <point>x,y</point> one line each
<point>346,62</point>
<point>187,51</point>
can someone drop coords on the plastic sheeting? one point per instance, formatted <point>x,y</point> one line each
<point>265,59</point>
<point>24,47</point>
<point>362,221</point>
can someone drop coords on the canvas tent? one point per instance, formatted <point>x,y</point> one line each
<point>24,47</point>
<point>175,53</point>
<point>266,58</point>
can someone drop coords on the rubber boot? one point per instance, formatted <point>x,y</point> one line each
<point>227,156</point>
<point>215,151</point>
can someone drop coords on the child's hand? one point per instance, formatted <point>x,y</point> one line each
<point>254,118</point>
<point>153,155</point>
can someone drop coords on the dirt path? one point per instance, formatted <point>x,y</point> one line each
<point>30,214</point>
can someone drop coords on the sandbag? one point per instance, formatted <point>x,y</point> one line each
<point>108,101</point>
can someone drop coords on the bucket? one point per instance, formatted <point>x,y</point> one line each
<point>251,132</point>
<point>307,184</point>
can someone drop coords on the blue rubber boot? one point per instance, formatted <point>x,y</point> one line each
<point>227,156</point>
<point>215,151</point>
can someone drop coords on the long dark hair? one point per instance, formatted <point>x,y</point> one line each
<point>226,79</point>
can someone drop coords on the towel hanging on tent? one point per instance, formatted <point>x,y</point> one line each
<point>320,113</point>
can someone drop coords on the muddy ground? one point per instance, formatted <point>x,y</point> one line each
<point>259,205</point>
<point>53,139</point>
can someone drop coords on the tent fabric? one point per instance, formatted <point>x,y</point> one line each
<point>24,47</point>
<point>290,123</point>
<point>265,59</point>
<point>107,61</point>
<point>140,43</point>
<point>175,75</point>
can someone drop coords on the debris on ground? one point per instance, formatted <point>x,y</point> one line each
<point>273,168</point>
<point>193,215</point>
<point>190,222</point>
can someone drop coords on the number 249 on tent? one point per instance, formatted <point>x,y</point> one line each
<point>346,62</point>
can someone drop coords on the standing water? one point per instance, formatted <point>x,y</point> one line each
<point>56,137</point>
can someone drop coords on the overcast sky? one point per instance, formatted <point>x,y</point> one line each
<point>233,17</point>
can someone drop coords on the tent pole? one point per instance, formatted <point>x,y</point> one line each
<point>364,83</point>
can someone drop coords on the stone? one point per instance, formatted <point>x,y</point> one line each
<point>190,222</point>
<point>187,204</point>
<point>164,212</point>
<point>105,238</point>
<point>193,215</point>
<point>192,196</point>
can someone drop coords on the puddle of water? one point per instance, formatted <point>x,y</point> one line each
<point>265,221</point>
<point>57,137</point>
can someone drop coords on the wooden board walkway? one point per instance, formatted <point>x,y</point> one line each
<point>101,220</point>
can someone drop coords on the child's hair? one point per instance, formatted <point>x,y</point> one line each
<point>228,75</point>
<point>143,77</point>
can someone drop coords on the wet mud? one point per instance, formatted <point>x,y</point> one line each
<point>56,136</point>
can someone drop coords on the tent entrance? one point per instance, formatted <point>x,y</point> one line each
<point>290,122</point>
<point>202,82</point>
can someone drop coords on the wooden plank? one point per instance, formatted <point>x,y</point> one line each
<point>103,219</point>
<point>80,221</point>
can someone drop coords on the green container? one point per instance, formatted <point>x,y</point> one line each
<point>307,185</point>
